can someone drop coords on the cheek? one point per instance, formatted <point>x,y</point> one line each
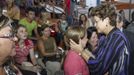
<point>6,48</point>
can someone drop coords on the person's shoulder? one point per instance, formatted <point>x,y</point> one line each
<point>34,22</point>
<point>23,20</point>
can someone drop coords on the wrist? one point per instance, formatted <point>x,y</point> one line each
<point>80,53</point>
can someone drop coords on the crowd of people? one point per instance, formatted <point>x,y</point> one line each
<point>82,41</point>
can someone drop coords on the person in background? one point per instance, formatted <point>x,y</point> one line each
<point>29,23</point>
<point>130,36</point>
<point>63,24</point>
<point>7,67</point>
<point>83,21</point>
<point>126,22</point>
<point>74,64</point>
<point>131,25</point>
<point>90,18</point>
<point>13,11</point>
<point>92,36</point>
<point>69,6</point>
<point>114,53</point>
<point>49,51</point>
<point>25,47</point>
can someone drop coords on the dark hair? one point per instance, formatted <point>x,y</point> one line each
<point>105,10</point>
<point>132,16</point>
<point>40,30</point>
<point>30,9</point>
<point>6,21</point>
<point>121,11</point>
<point>43,9</point>
<point>119,18</point>
<point>90,10</point>
<point>90,31</point>
<point>80,21</point>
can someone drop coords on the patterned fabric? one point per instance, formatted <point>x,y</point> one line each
<point>112,56</point>
<point>22,53</point>
<point>9,71</point>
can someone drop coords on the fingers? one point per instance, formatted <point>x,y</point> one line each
<point>72,42</point>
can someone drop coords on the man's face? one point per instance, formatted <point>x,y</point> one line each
<point>31,15</point>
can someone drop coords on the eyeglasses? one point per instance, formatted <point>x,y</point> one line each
<point>8,36</point>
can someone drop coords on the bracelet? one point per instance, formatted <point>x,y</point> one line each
<point>81,52</point>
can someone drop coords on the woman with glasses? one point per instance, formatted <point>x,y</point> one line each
<point>7,45</point>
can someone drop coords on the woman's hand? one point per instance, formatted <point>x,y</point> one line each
<point>76,47</point>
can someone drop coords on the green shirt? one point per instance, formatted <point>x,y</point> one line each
<point>29,26</point>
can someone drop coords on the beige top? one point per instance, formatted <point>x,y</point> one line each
<point>14,13</point>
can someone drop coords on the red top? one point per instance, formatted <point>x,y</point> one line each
<point>22,53</point>
<point>75,64</point>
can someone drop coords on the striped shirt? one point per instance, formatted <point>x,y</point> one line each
<point>112,56</point>
<point>22,53</point>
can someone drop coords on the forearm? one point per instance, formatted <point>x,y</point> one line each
<point>86,54</point>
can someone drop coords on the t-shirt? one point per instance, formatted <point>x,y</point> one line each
<point>75,64</point>
<point>29,26</point>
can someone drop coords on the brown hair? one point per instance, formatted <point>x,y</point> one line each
<point>74,33</point>
<point>105,10</point>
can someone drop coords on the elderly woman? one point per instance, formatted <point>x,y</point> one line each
<point>6,51</point>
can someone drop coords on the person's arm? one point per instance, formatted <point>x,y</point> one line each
<point>108,53</point>
<point>79,49</point>
<point>32,57</point>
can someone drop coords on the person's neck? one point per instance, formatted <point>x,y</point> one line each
<point>44,37</point>
<point>21,41</point>
<point>109,30</point>
<point>29,20</point>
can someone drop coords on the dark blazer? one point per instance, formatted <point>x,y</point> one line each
<point>130,37</point>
